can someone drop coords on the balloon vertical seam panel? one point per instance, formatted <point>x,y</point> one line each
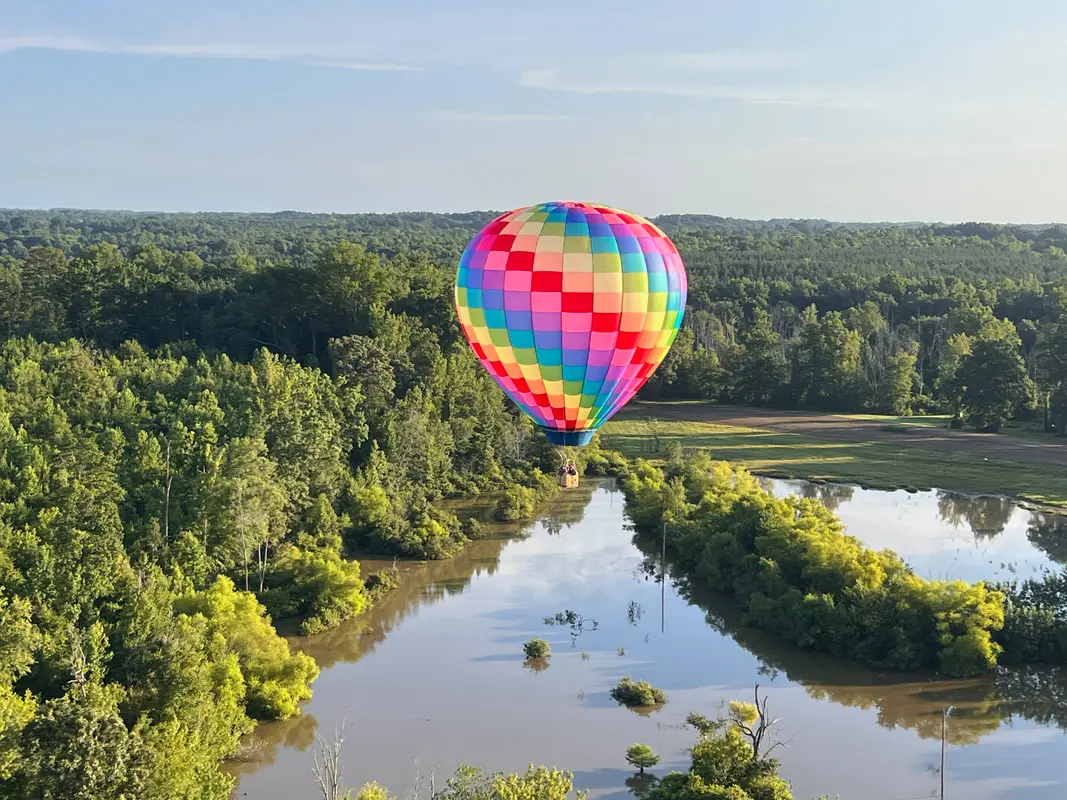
<point>570,307</point>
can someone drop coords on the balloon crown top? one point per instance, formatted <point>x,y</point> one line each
<point>567,204</point>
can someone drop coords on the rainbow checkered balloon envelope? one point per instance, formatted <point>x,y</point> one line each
<point>570,307</point>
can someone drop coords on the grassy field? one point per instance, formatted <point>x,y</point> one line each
<point>1026,430</point>
<point>878,464</point>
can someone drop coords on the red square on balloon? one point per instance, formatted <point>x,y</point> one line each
<point>520,260</point>
<point>578,302</point>
<point>605,322</point>
<point>547,282</point>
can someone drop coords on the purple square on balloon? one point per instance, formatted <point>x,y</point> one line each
<point>599,358</point>
<point>493,279</point>
<point>546,321</point>
<point>576,341</point>
<point>516,301</point>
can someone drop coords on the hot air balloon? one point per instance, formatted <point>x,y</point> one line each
<point>570,307</point>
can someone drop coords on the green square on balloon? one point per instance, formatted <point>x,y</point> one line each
<point>551,372</point>
<point>477,316</point>
<point>572,388</point>
<point>526,355</point>
<point>554,229</point>
<point>607,262</point>
<point>577,244</point>
<point>588,401</point>
<point>635,282</point>
<point>499,337</point>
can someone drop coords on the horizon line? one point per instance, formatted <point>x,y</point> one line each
<point>884,222</point>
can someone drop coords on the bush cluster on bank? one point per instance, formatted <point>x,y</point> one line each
<point>796,574</point>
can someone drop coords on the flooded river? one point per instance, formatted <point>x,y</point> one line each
<point>434,675</point>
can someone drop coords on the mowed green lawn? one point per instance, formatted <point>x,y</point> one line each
<point>1026,430</point>
<point>881,465</point>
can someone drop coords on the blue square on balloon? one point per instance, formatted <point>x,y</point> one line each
<point>495,318</point>
<point>600,229</point>
<point>574,372</point>
<point>657,281</point>
<point>604,244</point>
<point>654,262</point>
<point>575,215</point>
<point>474,279</point>
<point>595,373</point>
<point>674,301</point>
<point>628,244</point>
<point>576,229</point>
<point>633,262</point>
<point>493,298</point>
<point>520,338</point>
<point>549,356</point>
<point>575,358</point>
<point>674,282</point>
<point>591,387</point>
<point>520,321</point>
<point>462,275</point>
<point>465,259</point>
<point>474,295</point>
<point>549,340</point>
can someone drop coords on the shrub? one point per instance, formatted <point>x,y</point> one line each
<point>637,693</point>
<point>537,648</point>
<point>517,503</point>
<point>382,581</point>
<point>472,528</point>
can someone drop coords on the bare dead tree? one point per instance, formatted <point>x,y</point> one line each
<point>166,502</point>
<point>760,732</point>
<point>328,768</point>
<point>78,663</point>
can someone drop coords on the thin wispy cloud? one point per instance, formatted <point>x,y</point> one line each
<point>557,80</point>
<point>486,116</point>
<point>328,57</point>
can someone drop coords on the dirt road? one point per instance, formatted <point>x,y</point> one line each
<point>827,426</point>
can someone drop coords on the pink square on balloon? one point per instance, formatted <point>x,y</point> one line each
<point>601,341</point>
<point>518,280</point>
<point>577,321</point>
<point>497,259</point>
<point>547,301</point>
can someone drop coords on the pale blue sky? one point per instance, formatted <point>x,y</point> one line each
<point>846,109</point>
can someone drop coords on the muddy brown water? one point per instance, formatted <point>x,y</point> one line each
<point>434,675</point>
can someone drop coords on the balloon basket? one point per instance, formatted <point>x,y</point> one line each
<point>568,475</point>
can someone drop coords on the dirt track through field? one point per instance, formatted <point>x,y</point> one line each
<point>827,426</point>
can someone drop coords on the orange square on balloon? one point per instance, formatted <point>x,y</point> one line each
<point>548,262</point>
<point>605,302</point>
<point>577,281</point>
<point>525,243</point>
<point>632,321</point>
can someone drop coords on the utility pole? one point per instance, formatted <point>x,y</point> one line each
<point>944,711</point>
<point>663,582</point>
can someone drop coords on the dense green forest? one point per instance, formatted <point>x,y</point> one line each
<point>204,417</point>
<point>963,319</point>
